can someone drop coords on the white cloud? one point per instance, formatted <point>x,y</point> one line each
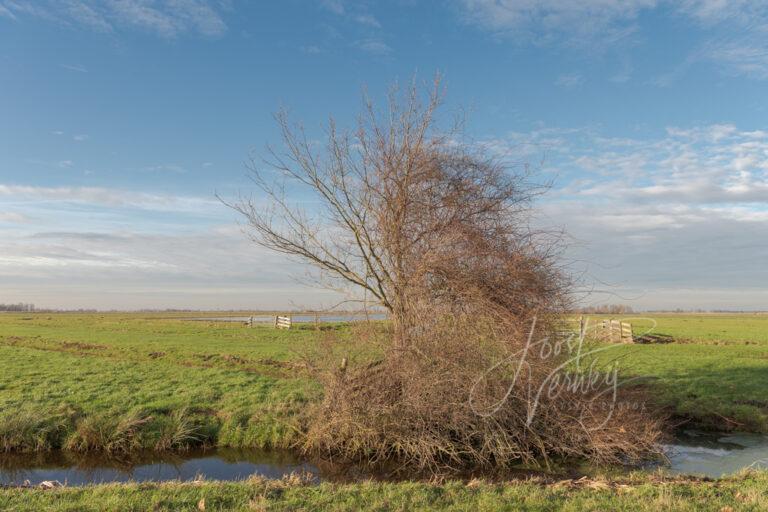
<point>712,164</point>
<point>546,21</point>
<point>736,31</point>
<point>740,31</point>
<point>169,18</point>
<point>80,137</point>
<point>13,217</point>
<point>688,209</point>
<point>216,268</point>
<point>106,197</point>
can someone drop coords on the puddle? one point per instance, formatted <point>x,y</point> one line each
<point>716,455</point>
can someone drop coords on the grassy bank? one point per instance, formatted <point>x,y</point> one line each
<point>125,381</point>
<point>745,492</point>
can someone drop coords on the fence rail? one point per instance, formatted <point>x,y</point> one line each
<point>283,322</point>
<point>614,331</point>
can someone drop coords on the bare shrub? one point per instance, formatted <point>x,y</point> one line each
<point>436,405</point>
<point>437,232</point>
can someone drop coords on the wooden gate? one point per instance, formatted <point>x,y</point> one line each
<point>614,331</point>
<point>283,322</point>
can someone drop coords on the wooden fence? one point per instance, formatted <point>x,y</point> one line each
<point>614,331</point>
<point>282,322</point>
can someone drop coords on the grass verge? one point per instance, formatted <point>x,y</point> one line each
<point>747,491</point>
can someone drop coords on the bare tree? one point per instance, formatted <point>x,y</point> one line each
<point>437,232</point>
<point>401,205</point>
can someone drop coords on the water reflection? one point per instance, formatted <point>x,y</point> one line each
<point>693,453</point>
<point>80,469</point>
<point>716,455</point>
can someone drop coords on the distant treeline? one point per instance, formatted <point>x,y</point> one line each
<point>620,309</point>
<point>607,309</point>
<point>17,307</point>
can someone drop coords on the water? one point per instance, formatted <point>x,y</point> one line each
<point>693,453</point>
<point>299,318</point>
<point>716,455</point>
<point>221,464</point>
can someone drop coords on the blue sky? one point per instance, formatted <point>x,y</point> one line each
<point>120,119</point>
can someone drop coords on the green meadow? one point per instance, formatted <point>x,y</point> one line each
<point>711,372</point>
<point>119,382</point>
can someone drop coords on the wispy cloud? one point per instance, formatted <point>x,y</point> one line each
<point>107,197</point>
<point>5,12</point>
<point>587,22</point>
<point>78,137</point>
<point>367,19</point>
<point>737,35</point>
<point>173,168</point>
<point>747,56</point>
<point>72,67</point>
<point>87,15</point>
<point>335,6</point>
<point>356,12</point>
<point>311,49</point>
<point>570,80</point>
<point>167,19</point>
<point>13,217</point>
<point>374,47</point>
<point>709,12</point>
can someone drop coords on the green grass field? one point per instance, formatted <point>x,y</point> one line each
<point>130,381</point>
<point>218,383</point>
<point>69,380</point>
<point>745,492</point>
<point>715,373</point>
